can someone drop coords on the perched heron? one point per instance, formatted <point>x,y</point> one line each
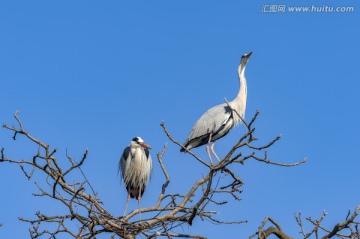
<point>135,165</point>
<point>219,120</point>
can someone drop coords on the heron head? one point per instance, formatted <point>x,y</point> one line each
<point>245,58</point>
<point>140,141</point>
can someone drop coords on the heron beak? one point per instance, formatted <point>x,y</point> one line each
<point>145,146</point>
<point>247,55</point>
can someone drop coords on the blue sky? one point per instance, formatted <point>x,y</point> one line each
<point>94,74</point>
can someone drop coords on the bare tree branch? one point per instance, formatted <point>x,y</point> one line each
<point>340,226</point>
<point>85,216</point>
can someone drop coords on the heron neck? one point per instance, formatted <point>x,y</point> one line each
<point>239,103</point>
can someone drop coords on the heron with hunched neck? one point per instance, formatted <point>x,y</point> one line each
<point>135,165</point>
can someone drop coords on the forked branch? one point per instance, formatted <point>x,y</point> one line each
<point>85,216</point>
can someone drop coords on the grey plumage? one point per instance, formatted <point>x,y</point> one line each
<point>135,165</point>
<point>219,120</point>
<point>210,122</point>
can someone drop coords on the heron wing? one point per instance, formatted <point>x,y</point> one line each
<point>212,121</point>
<point>124,160</point>
<point>147,153</point>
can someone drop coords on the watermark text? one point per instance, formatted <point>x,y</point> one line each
<point>281,8</point>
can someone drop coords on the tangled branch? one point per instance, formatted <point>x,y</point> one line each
<point>171,210</point>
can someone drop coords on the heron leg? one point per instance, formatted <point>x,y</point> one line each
<point>208,149</point>
<point>213,151</point>
<point>127,202</point>
<point>139,199</point>
<point>208,152</point>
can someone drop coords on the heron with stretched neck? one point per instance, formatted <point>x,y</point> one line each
<point>219,120</point>
<point>135,165</point>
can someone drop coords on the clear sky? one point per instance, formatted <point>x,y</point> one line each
<point>94,74</point>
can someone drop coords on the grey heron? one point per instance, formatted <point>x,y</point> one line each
<point>219,120</point>
<point>135,165</point>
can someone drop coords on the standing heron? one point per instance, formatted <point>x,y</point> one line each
<point>219,120</point>
<point>136,165</point>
